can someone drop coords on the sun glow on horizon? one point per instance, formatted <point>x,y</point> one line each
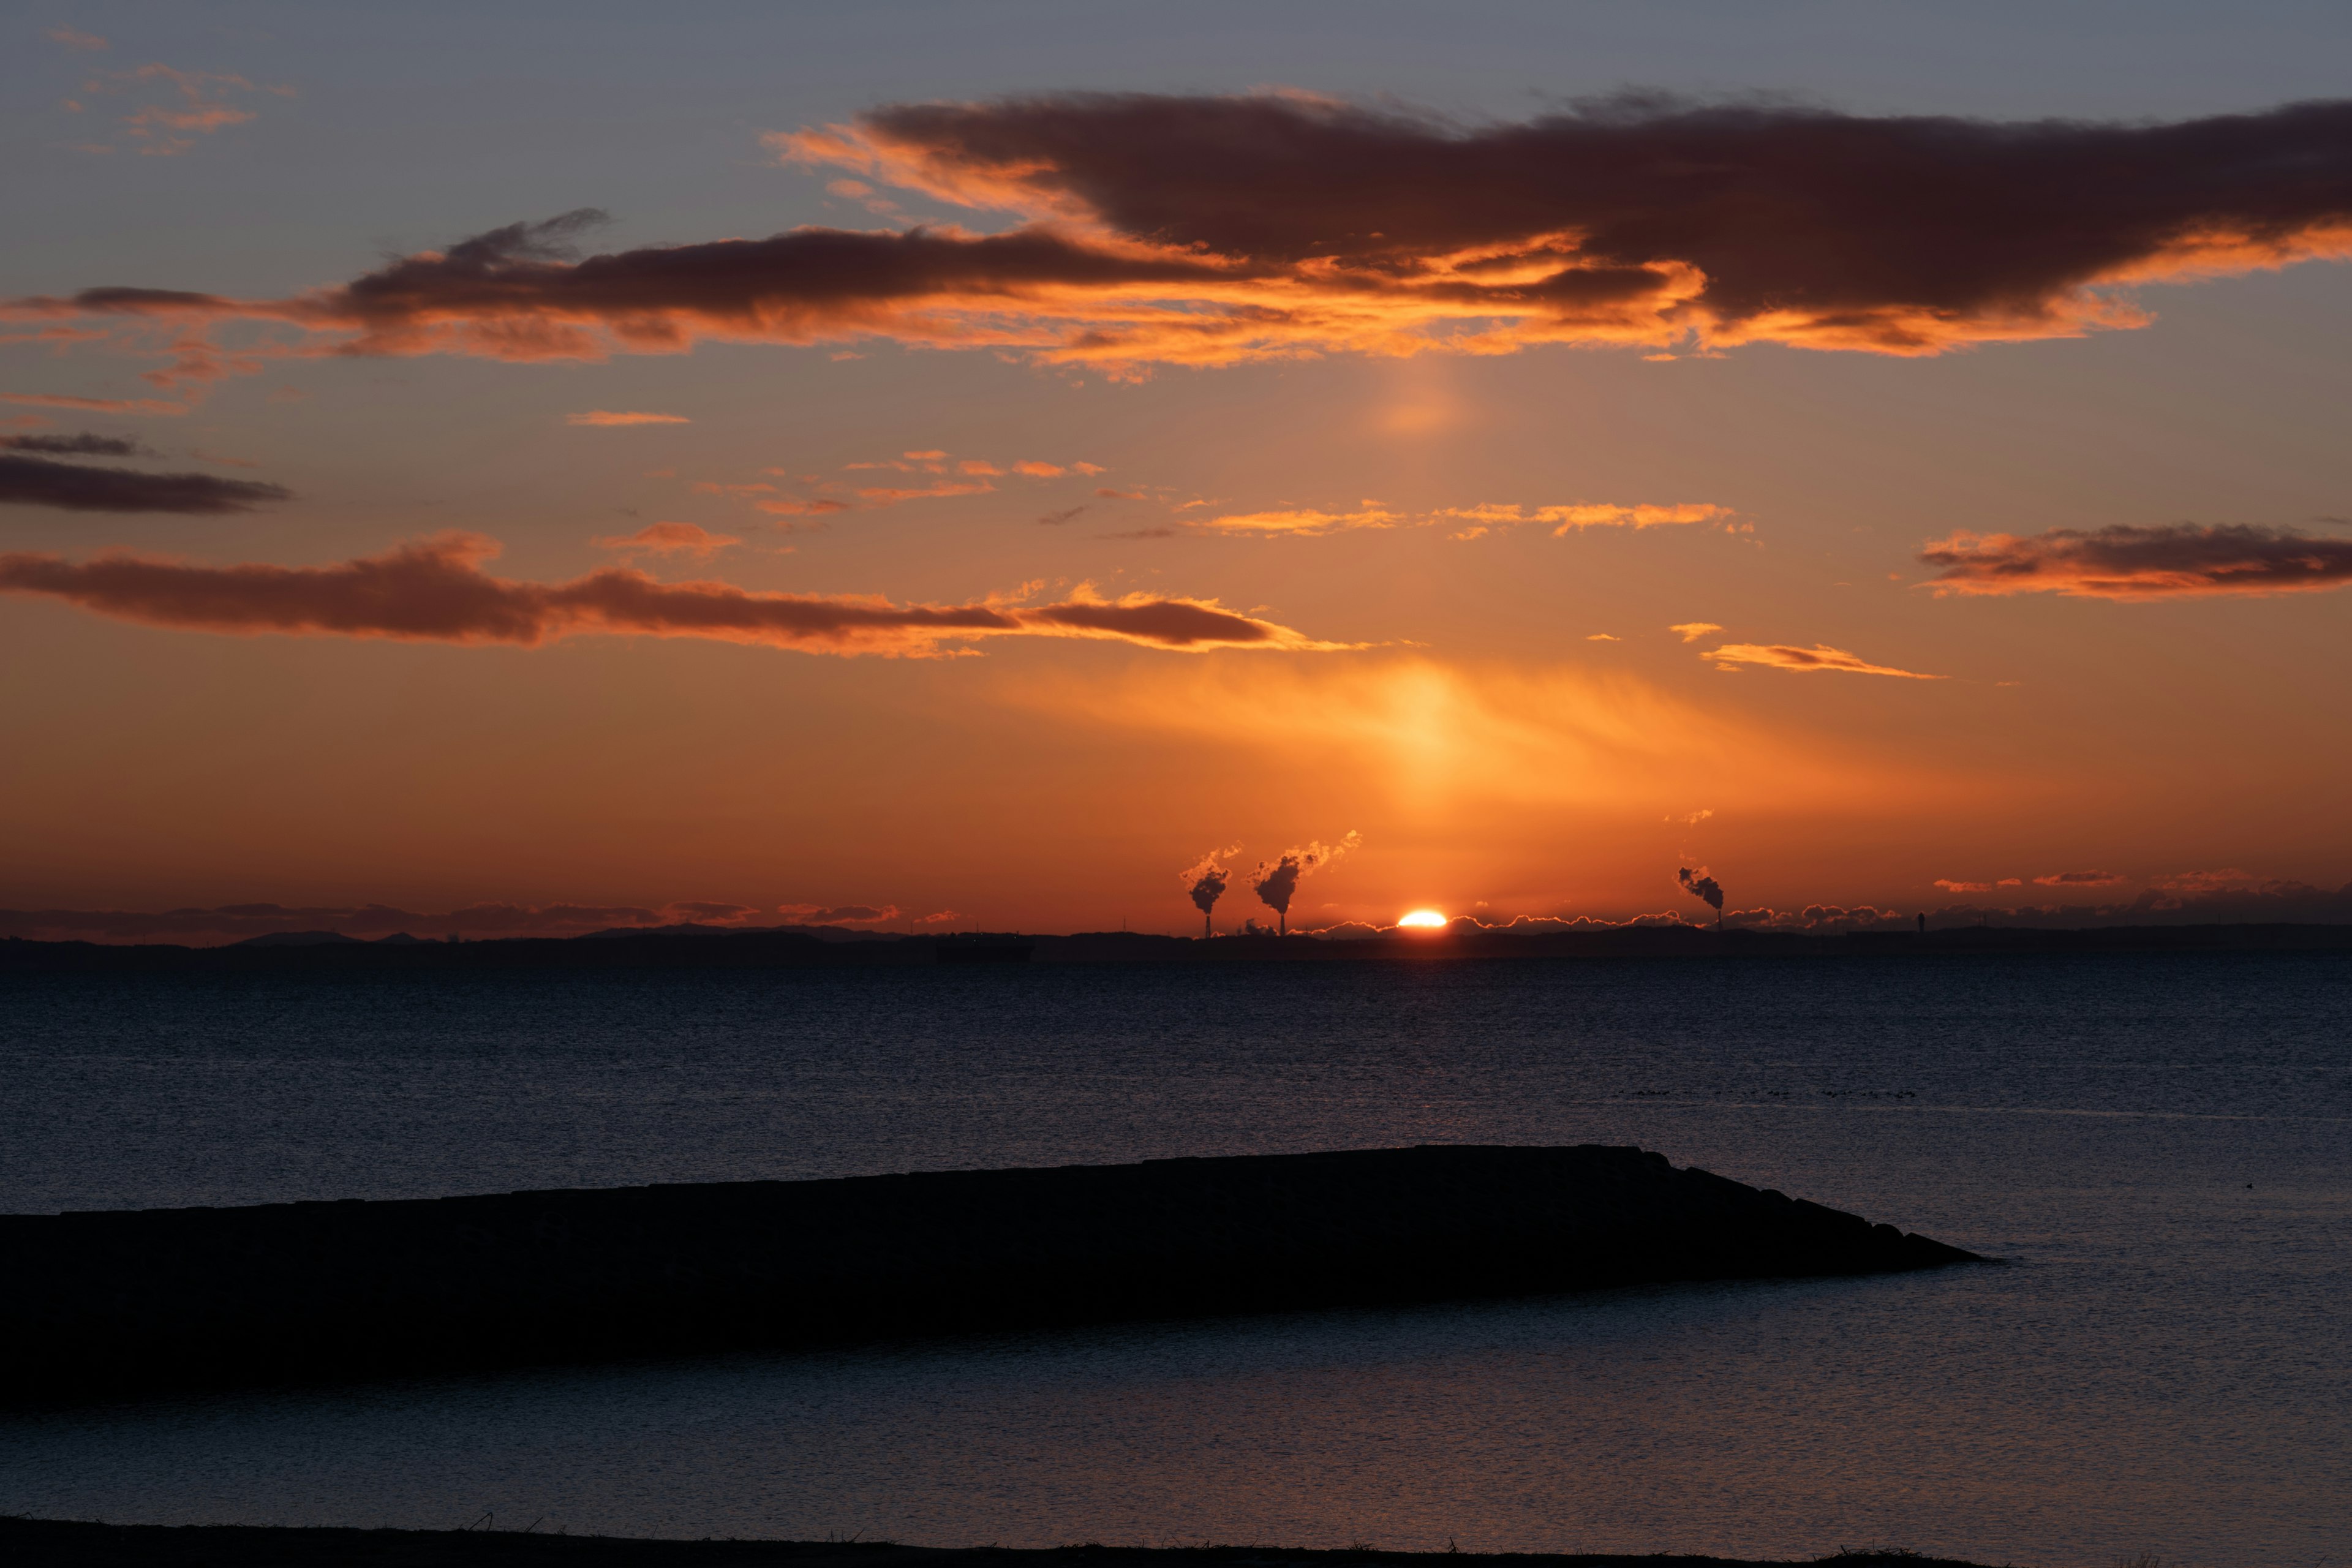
<point>1423,920</point>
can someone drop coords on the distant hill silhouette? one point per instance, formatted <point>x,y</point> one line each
<point>719,947</point>
<point>302,938</point>
<point>72,1543</point>
<point>77,1543</point>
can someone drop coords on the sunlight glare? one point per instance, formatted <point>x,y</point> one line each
<point>1423,920</point>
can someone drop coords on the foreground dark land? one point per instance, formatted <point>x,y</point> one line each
<point>110,1304</point>
<point>38,1543</point>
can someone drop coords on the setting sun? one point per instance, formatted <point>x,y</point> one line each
<point>1424,919</point>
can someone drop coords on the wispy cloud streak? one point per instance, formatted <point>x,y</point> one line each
<point>607,417</point>
<point>1813,660</point>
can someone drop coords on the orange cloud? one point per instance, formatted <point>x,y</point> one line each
<point>838,914</point>
<point>671,539</point>
<point>1299,521</point>
<point>94,404</point>
<point>170,128</point>
<point>1691,631</point>
<point>887,495</point>
<point>1310,522</point>
<point>818,506</point>
<point>1050,471</point>
<point>606,416</point>
<point>433,590</point>
<point>1805,660</point>
<point>1157,230</point>
<point>2175,561</point>
<point>2080,879</point>
<point>1485,518</point>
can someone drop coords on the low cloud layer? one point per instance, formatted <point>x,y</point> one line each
<point>435,590</point>
<point>2192,897</point>
<point>77,487</point>
<point>2175,561</point>
<point>1811,660</point>
<point>1158,229</point>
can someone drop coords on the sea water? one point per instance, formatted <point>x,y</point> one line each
<point>2158,1149</point>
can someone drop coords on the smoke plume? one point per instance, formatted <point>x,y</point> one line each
<point>1276,882</point>
<point>1699,885</point>
<point>1204,881</point>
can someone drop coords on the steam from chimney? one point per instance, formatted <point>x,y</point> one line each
<point>1204,879</point>
<point>1276,883</point>
<point>1699,885</point>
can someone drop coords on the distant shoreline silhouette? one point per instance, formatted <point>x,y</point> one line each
<point>492,1540</point>
<point>719,947</point>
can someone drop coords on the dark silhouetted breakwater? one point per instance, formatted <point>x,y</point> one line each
<point>104,1304</point>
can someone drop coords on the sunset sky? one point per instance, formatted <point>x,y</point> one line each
<point>597,465</point>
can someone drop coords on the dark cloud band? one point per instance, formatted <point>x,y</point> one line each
<point>2176,561</point>
<point>84,445</point>
<point>76,487</point>
<point>1164,229</point>
<point>435,590</point>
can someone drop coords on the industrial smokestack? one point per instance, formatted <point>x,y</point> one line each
<point>1276,882</point>
<point>1699,885</point>
<point>1204,879</point>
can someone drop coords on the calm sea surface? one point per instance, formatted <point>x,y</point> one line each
<point>2161,1149</point>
